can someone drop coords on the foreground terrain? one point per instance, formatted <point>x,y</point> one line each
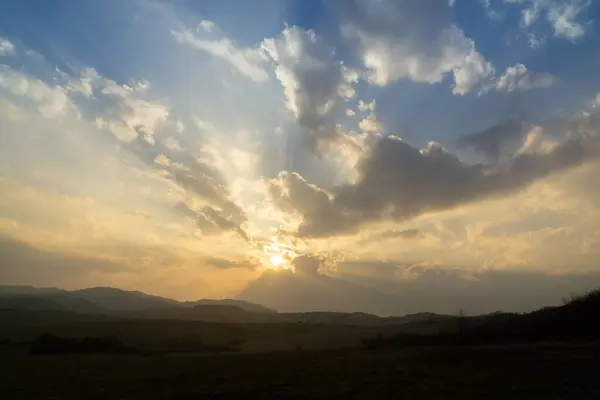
<point>493,372</point>
<point>52,349</point>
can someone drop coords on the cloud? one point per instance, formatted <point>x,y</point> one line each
<point>314,265</point>
<point>370,124</point>
<point>518,78</point>
<point>473,71</point>
<point>223,263</point>
<point>562,15</point>
<point>405,234</point>
<point>292,193</point>
<point>126,112</point>
<point>493,142</point>
<point>211,221</point>
<point>51,101</point>
<point>411,40</point>
<point>396,235</point>
<point>315,83</point>
<point>26,264</point>
<point>392,288</point>
<point>397,181</point>
<point>308,265</point>
<point>201,179</point>
<point>6,47</point>
<point>208,38</point>
<point>490,11</point>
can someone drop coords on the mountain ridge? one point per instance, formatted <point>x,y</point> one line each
<point>119,300</point>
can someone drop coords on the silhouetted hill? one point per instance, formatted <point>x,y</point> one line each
<point>9,290</point>
<point>577,320</point>
<point>109,300</point>
<point>121,300</point>
<point>49,302</point>
<point>244,305</point>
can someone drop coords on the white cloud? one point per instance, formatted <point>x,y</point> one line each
<point>6,47</point>
<point>162,160</point>
<point>370,124</point>
<point>314,82</point>
<point>490,11</point>
<point>179,127</point>
<point>517,77</point>
<point>248,62</point>
<point>563,19</point>
<point>128,112</point>
<point>562,15</point>
<point>51,101</point>
<point>208,26</point>
<point>203,125</point>
<point>473,71</point>
<point>350,113</point>
<point>411,40</point>
<point>172,144</point>
<point>364,106</point>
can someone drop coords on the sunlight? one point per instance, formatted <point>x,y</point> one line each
<point>277,260</point>
<point>279,255</point>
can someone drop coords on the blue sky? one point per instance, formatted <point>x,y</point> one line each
<point>435,134</point>
<point>122,40</point>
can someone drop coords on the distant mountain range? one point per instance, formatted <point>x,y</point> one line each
<point>117,302</point>
<point>107,299</point>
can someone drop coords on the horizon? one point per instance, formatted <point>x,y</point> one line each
<point>563,301</point>
<point>304,155</point>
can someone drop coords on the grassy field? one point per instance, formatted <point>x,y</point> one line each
<point>515,372</point>
<point>147,334</point>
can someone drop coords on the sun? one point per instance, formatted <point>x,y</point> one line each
<point>277,260</point>
<point>279,256</point>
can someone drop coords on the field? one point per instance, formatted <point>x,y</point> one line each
<point>151,335</point>
<point>552,353</point>
<point>515,372</point>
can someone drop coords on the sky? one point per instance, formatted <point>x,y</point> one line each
<point>343,155</point>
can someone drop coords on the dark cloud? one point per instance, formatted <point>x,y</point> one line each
<point>496,140</point>
<point>397,181</point>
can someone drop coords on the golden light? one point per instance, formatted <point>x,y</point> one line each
<point>277,260</point>
<point>279,255</point>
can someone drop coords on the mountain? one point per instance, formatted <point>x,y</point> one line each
<point>121,300</point>
<point>288,291</point>
<point>8,290</point>
<point>116,301</point>
<point>244,305</point>
<point>49,303</point>
<point>576,321</point>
